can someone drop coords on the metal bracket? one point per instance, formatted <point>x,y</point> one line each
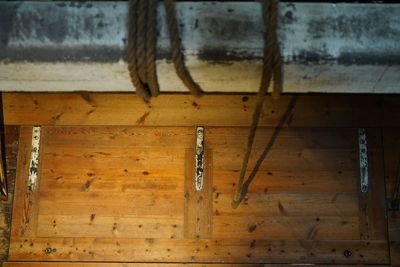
<point>34,163</point>
<point>199,161</point>
<point>363,154</point>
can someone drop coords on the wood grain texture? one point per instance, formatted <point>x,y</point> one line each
<point>373,224</point>
<point>186,250</point>
<point>118,194</point>
<point>289,196</point>
<point>111,264</point>
<point>11,136</point>
<point>391,142</point>
<point>198,214</point>
<point>102,264</point>
<point>185,110</point>
<point>25,206</point>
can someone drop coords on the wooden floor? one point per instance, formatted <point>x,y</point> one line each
<point>125,193</point>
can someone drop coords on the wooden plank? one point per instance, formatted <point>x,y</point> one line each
<point>291,160</point>
<point>287,227</point>
<point>114,203</point>
<point>25,202</point>
<point>373,224</point>
<point>230,32</point>
<point>289,204</point>
<point>112,180</point>
<point>319,56</point>
<point>198,218</point>
<point>201,250</point>
<point>298,138</point>
<point>103,264</point>
<point>124,226</point>
<point>112,137</point>
<point>391,111</point>
<point>11,137</point>
<point>391,142</point>
<point>185,110</point>
<point>229,76</point>
<point>137,158</point>
<point>281,182</point>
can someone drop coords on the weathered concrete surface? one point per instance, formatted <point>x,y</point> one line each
<point>344,47</point>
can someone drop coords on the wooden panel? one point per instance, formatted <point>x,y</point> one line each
<point>373,223</point>
<point>391,140</point>
<point>289,198</point>
<point>185,110</point>
<point>95,184</point>
<point>198,204</point>
<point>25,205</point>
<point>118,194</point>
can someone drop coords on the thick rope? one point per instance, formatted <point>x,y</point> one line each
<point>142,48</point>
<point>141,40</point>
<point>271,67</point>
<point>277,59</point>
<point>177,56</point>
<point>132,51</point>
<point>151,43</point>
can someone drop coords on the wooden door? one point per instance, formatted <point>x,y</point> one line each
<point>126,194</point>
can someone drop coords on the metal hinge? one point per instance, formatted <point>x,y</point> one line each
<point>363,154</point>
<point>34,163</point>
<point>199,160</point>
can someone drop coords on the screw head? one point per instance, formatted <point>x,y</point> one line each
<point>347,253</point>
<point>49,250</point>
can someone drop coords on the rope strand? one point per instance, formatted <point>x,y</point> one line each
<point>177,56</point>
<point>270,62</point>
<point>141,39</point>
<point>132,53</point>
<point>151,48</point>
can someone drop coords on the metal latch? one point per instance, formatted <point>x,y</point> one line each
<point>363,154</point>
<point>199,161</point>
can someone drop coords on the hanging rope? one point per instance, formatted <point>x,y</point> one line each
<point>177,56</point>
<point>142,68</point>
<point>132,51</point>
<point>395,200</point>
<point>151,43</point>
<point>272,69</point>
<point>142,43</point>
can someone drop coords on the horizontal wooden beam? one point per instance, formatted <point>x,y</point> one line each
<point>70,46</point>
<point>104,264</point>
<point>310,251</point>
<point>184,110</point>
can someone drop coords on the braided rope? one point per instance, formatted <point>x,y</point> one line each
<point>277,61</point>
<point>270,68</point>
<point>132,52</point>
<point>141,25</point>
<point>151,43</point>
<point>177,56</point>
